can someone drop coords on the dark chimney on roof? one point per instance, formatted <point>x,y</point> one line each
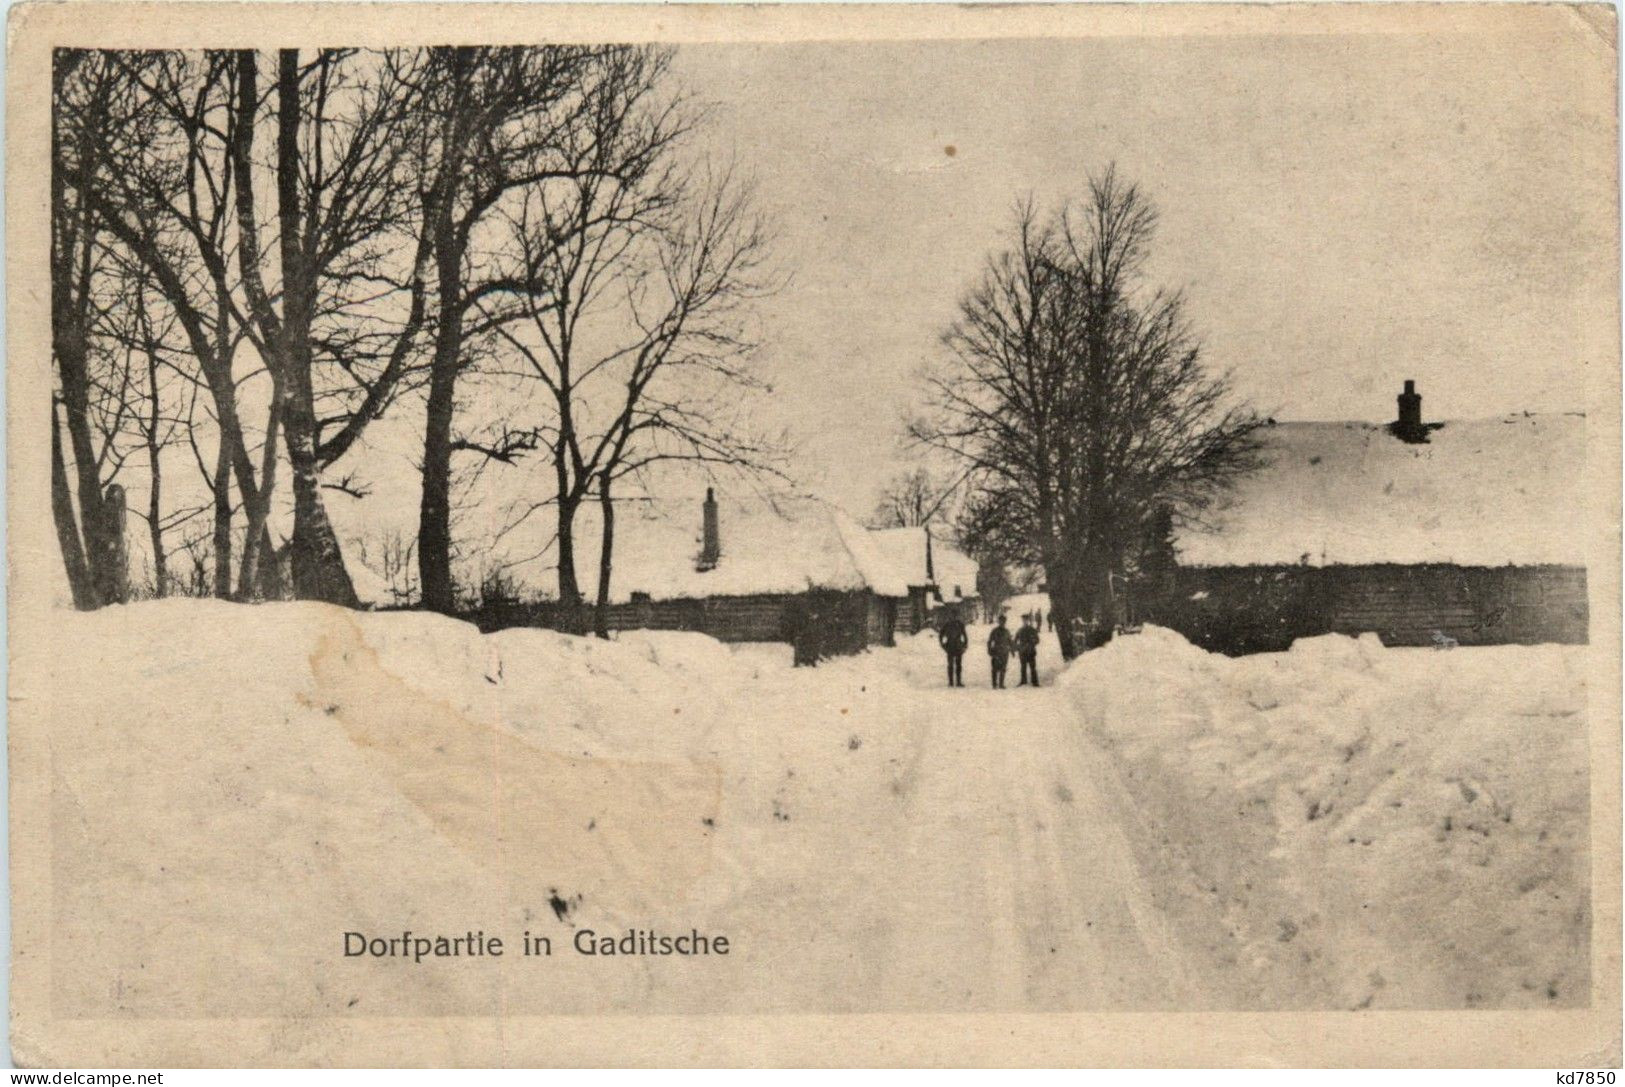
<point>711,541</point>
<point>1409,426</point>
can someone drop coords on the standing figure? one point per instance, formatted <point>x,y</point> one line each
<point>998,651</point>
<point>953,639</point>
<point>1027,650</point>
<point>1080,634</point>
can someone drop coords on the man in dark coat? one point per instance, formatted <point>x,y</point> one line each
<point>998,651</point>
<point>1027,650</point>
<point>953,639</point>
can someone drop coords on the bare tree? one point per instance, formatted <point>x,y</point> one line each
<point>341,177</point>
<point>914,498</point>
<point>144,402</point>
<point>390,556</point>
<point>1074,395</point>
<point>160,182</point>
<point>87,99</point>
<point>496,119</point>
<point>638,328</point>
<point>573,236</point>
<point>690,376</point>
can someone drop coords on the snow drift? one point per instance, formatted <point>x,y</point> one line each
<point>280,775</point>
<point>1381,827</point>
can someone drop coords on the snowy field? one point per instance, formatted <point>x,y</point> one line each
<point>1340,826</point>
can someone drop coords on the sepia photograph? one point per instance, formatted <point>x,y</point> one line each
<point>865,535</point>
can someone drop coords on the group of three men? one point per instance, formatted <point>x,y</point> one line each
<point>954,639</point>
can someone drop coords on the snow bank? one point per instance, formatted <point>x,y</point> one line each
<point>275,776</point>
<point>1378,827</point>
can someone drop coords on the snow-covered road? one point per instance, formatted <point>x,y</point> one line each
<point>1021,865</point>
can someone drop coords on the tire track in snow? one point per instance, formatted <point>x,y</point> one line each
<point>1107,933</point>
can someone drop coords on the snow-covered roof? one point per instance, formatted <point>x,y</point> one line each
<point>956,571</point>
<point>1484,492</point>
<point>774,544</point>
<point>905,550</point>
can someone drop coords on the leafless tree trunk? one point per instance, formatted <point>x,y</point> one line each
<point>606,553</point>
<point>67,529</point>
<point>155,442</point>
<point>570,602</point>
<point>318,564</point>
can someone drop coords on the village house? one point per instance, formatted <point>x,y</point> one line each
<point>778,568</point>
<point>1462,532</point>
<point>937,574</point>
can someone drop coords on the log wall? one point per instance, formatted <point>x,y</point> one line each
<point>1250,609</point>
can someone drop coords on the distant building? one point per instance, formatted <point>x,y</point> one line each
<point>1462,532</point>
<point>937,575</point>
<point>753,569</point>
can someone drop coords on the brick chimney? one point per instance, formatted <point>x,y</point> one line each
<point>711,541</point>
<point>1409,426</point>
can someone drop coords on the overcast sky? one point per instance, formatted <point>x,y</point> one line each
<point>1344,212</point>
